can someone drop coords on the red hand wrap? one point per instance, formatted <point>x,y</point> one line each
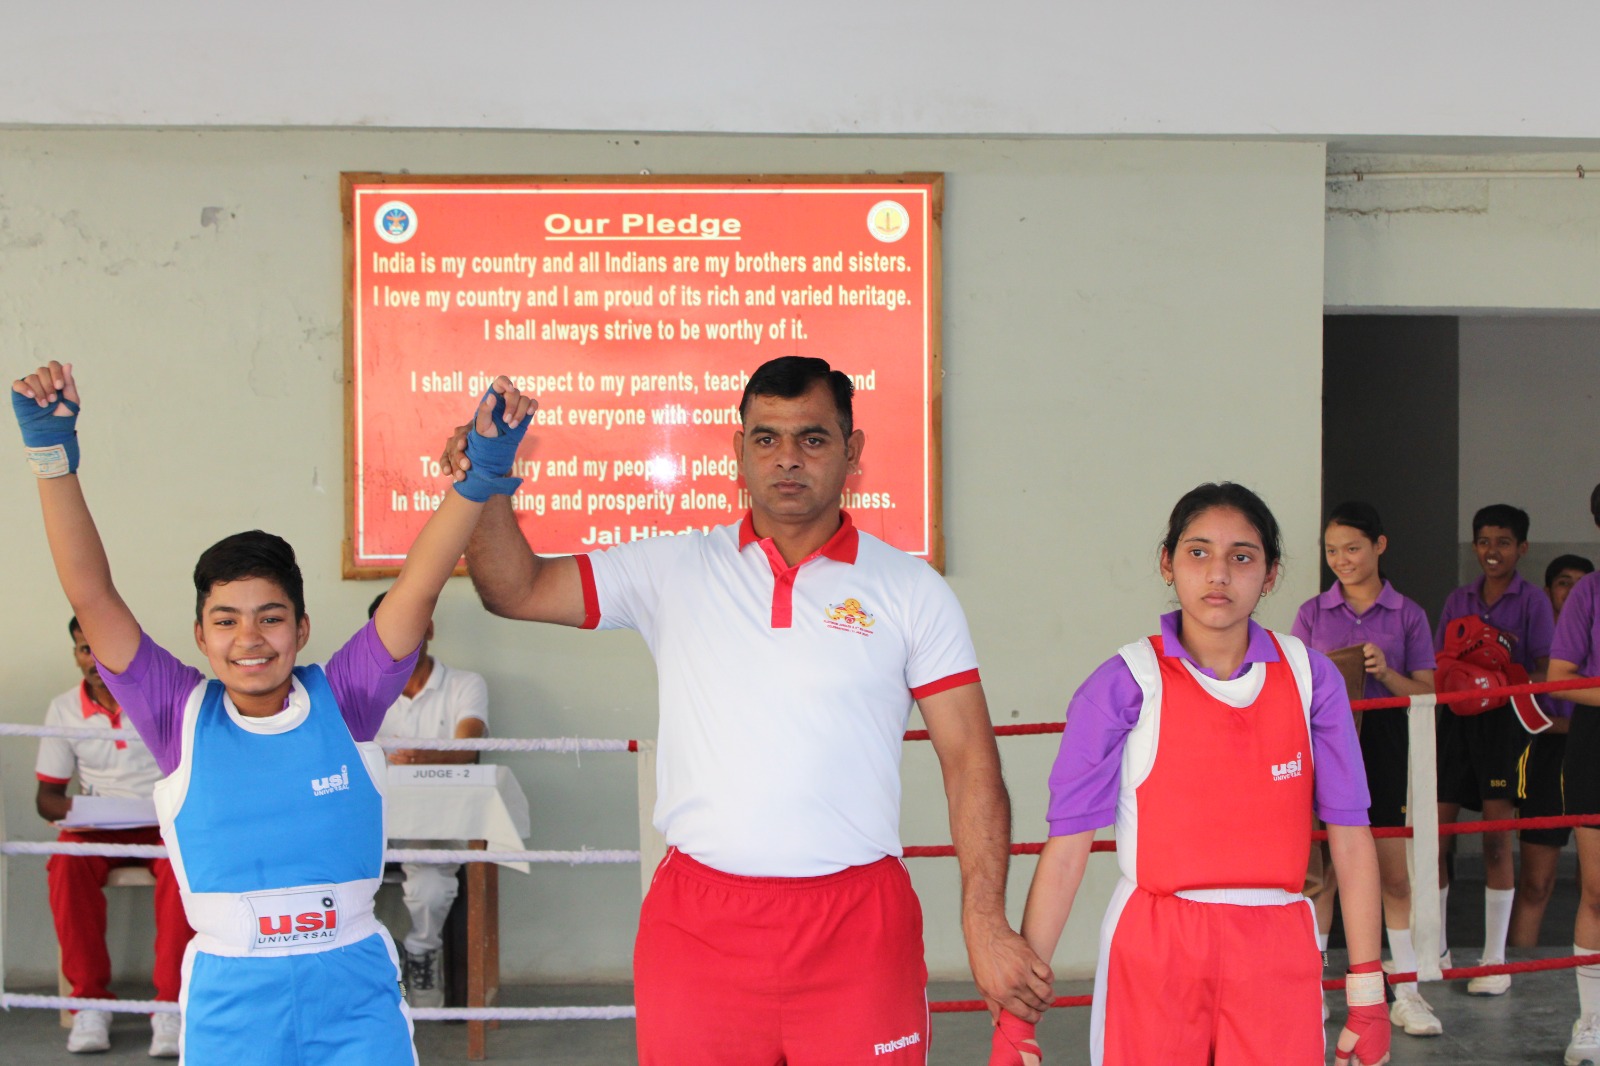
<point>1368,1018</point>
<point>1012,1039</point>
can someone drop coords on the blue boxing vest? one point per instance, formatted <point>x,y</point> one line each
<point>274,825</point>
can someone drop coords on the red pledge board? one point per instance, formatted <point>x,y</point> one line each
<point>634,309</point>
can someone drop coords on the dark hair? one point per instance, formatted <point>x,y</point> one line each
<point>791,376</point>
<point>1505,516</point>
<point>73,628</point>
<point>1359,516</point>
<point>1202,498</point>
<point>252,554</point>
<point>1594,504</point>
<point>372,608</point>
<point>1566,562</point>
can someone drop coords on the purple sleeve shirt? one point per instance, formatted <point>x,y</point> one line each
<point>1088,770</point>
<point>155,688</point>
<point>1577,636</point>
<point>1398,626</point>
<point>1524,612</point>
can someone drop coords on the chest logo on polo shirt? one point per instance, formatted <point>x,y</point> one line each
<point>1283,771</point>
<point>850,617</point>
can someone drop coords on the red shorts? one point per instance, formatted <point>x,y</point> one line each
<point>756,971</point>
<point>1184,983</point>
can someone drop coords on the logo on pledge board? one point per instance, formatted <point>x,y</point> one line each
<point>888,221</point>
<point>850,617</point>
<point>396,222</point>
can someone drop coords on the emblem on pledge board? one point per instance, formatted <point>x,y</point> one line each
<point>888,221</point>
<point>396,222</point>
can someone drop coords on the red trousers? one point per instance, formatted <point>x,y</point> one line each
<point>758,971</point>
<point>78,904</point>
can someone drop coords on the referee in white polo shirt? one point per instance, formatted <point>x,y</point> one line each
<point>789,647</point>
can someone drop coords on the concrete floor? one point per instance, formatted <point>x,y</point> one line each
<point>1530,1025</point>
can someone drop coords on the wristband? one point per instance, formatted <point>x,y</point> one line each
<point>51,439</point>
<point>1364,989</point>
<point>492,457</point>
<point>1013,1042</point>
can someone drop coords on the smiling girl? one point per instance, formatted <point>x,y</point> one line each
<point>1362,609</point>
<point>1208,745</point>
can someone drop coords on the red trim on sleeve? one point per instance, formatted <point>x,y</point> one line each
<point>53,780</point>
<point>945,684</point>
<point>591,595</point>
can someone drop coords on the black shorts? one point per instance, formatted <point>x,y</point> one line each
<point>1539,788</point>
<point>1478,756</point>
<point>1385,747</point>
<point>1580,780</point>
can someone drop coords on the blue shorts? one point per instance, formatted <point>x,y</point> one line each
<point>327,1008</point>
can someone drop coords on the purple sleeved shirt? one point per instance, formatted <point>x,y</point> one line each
<point>155,688</point>
<point>1088,769</point>
<point>1577,639</point>
<point>1398,626</point>
<point>1524,612</point>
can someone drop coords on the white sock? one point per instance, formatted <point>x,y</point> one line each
<point>1496,923</point>
<point>1444,913</point>
<point>1588,983</point>
<point>1322,942</point>
<point>1403,954</point>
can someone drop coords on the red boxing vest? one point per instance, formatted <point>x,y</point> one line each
<point>1227,802</point>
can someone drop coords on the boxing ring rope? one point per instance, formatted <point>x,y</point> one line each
<point>1418,708</point>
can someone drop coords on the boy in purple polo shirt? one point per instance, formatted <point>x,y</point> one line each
<point>1539,795</point>
<point>1478,755</point>
<point>1575,653</point>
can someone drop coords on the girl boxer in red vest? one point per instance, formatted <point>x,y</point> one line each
<point>1208,745</point>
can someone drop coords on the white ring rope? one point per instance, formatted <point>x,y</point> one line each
<point>560,745</point>
<point>421,1014</point>
<point>429,856</point>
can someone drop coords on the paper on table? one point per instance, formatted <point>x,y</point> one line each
<point>109,812</point>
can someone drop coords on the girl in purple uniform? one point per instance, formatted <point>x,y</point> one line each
<point>1362,609</point>
<point>1208,745</point>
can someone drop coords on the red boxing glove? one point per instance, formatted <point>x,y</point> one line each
<point>1014,1043</point>
<point>1365,1038</point>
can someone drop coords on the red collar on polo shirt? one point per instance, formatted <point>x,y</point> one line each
<point>91,708</point>
<point>841,548</point>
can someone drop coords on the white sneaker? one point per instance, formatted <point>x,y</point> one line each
<point>1495,984</point>
<point>91,1031</point>
<point>1412,1013</point>
<point>164,1031</point>
<point>1585,1046</point>
<point>423,987</point>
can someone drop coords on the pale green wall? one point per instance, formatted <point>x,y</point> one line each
<point>1122,320</point>
<point>1497,242</point>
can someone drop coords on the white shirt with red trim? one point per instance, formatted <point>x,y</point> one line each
<point>784,691</point>
<point>123,768</point>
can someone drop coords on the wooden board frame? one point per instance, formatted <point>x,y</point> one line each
<point>934,281</point>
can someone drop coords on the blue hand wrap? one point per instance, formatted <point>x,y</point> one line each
<point>51,439</point>
<point>492,457</point>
